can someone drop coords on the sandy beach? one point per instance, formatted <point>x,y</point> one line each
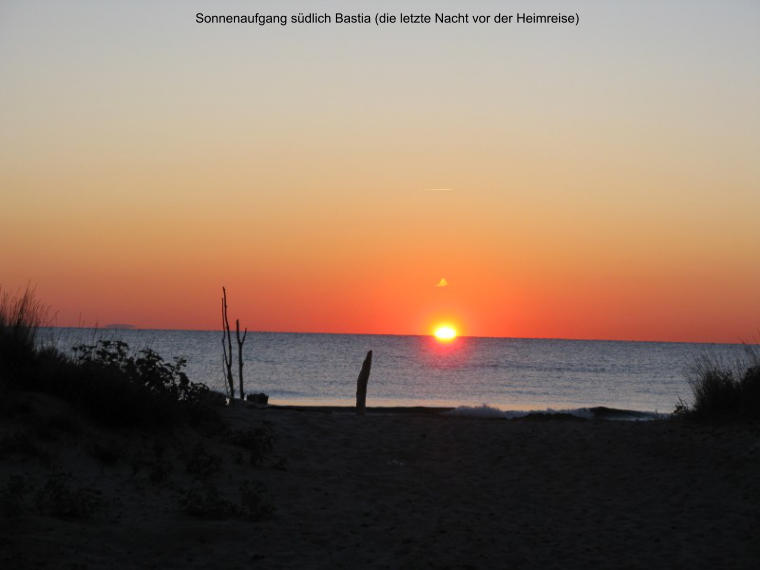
<point>389,490</point>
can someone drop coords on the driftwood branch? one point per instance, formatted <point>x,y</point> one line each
<point>240,342</point>
<point>227,347</point>
<point>361,384</point>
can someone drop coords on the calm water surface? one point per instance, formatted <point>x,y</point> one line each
<point>511,374</point>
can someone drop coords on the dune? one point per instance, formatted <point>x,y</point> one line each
<point>392,489</point>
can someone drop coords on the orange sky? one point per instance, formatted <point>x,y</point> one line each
<point>603,182</point>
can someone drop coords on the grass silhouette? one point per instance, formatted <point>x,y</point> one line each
<point>724,392</point>
<point>106,381</point>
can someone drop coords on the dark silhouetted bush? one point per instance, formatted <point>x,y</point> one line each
<point>145,384</point>
<point>109,383</point>
<point>146,368</point>
<point>724,393</point>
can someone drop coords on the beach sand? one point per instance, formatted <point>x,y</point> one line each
<point>405,490</point>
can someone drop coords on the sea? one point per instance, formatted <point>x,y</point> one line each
<point>504,374</point>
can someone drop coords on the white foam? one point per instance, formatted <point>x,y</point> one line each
<point>483,411</point>
<point>486,411</point>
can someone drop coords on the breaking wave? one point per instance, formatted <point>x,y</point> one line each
<point>595,413</point>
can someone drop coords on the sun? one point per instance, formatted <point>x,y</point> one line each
<point>445,333</point>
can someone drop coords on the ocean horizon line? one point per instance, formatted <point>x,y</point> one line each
<point>404,335</point>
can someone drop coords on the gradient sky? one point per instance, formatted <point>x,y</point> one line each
<point>604,180</point>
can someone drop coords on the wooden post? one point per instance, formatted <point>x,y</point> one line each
<point>361,384</point>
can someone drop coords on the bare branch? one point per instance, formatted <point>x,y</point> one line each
<point>240,342</point>
<point>227,346</point>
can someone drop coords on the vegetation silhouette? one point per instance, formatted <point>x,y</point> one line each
<point>122,408</point>
<point>106,381</point>
<point>723,392</point>
<point>227,352</point>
